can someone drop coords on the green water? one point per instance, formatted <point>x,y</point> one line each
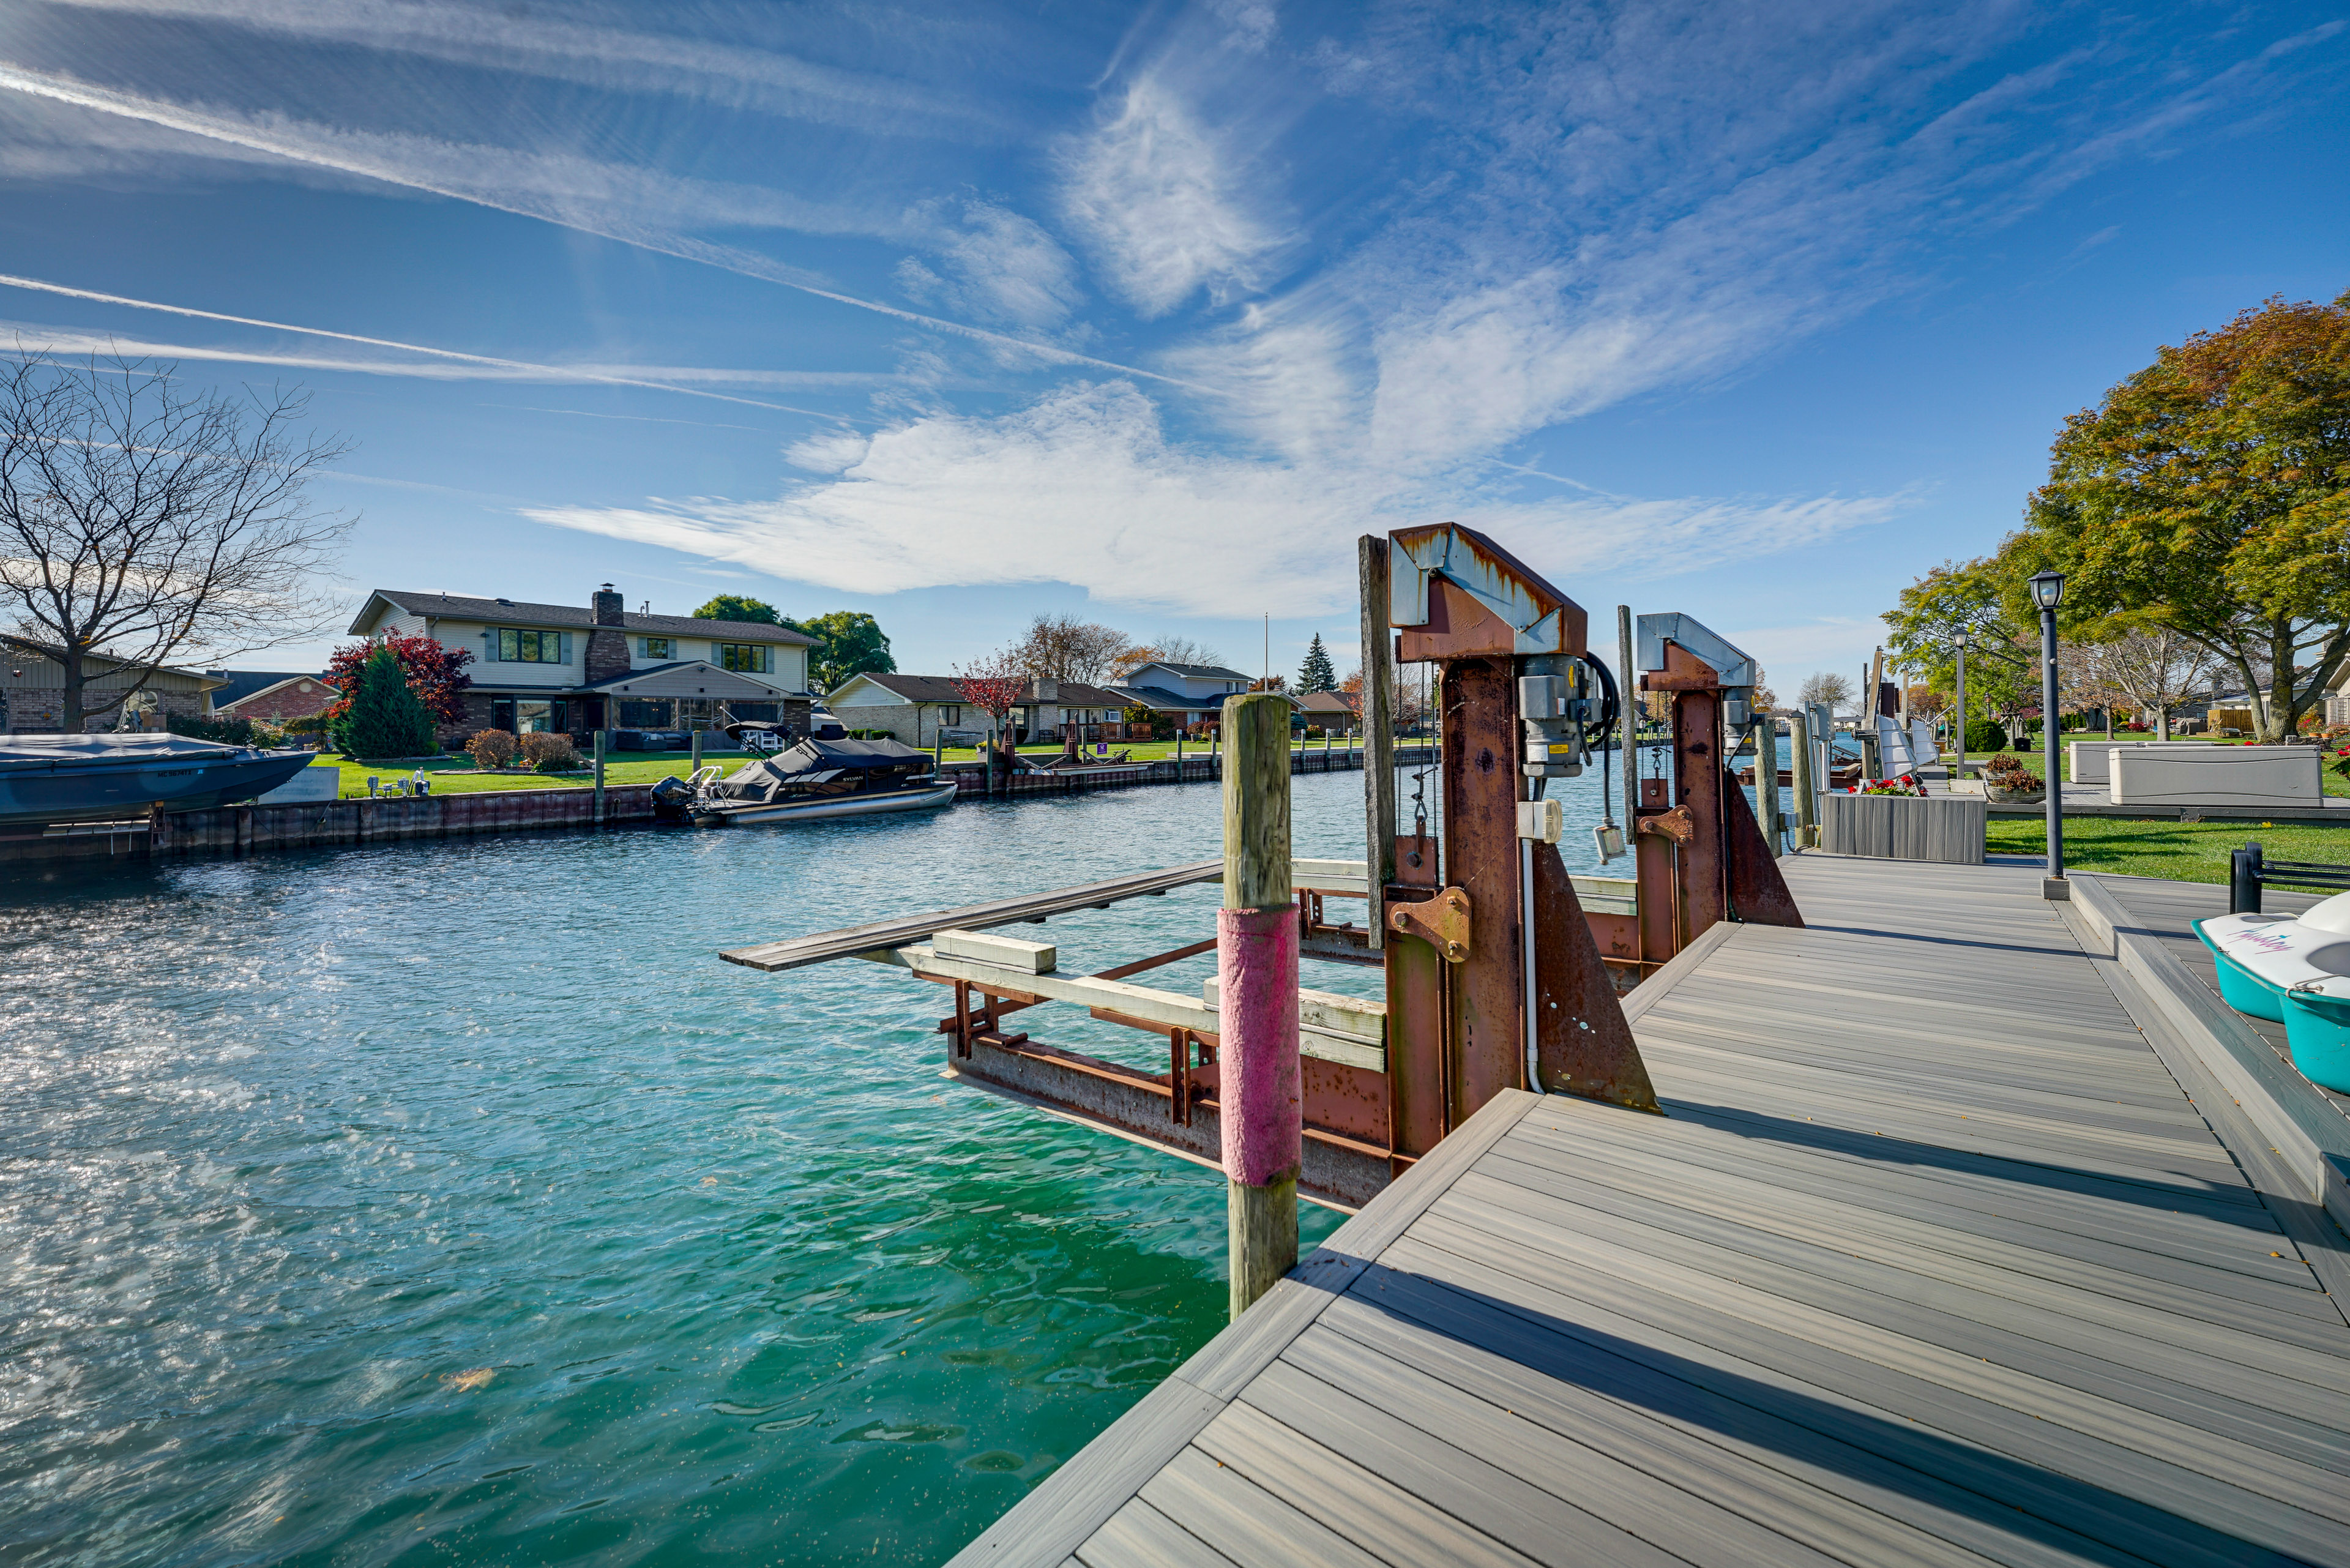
<point>452,1203</point>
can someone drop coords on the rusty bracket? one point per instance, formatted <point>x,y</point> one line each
<point>1677,825</point>
<point>1442,922</point>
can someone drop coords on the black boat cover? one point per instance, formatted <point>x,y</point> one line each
<point>51,751</point>
<point>862,756</point>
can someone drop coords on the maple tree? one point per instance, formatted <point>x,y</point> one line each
<point>993,685</point>
<point>434,672</point>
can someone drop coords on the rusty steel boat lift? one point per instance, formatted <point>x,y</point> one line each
<point>1496,976</point>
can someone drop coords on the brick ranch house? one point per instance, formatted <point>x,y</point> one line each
<point>603,667</point>
<point>33,688</point>
<point>272,696</point>
<point>915,708</point>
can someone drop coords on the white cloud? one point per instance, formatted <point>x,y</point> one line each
<point>1085,487</point>
<point>514,39</point>
<point>1164,199</point>
<point>1000,268</point>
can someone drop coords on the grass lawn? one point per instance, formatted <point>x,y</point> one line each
<point>2181,851</point>
<point>452,775</point>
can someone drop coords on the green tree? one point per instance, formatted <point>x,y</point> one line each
<point>734,607</point>
<point>2209,492</point>
<point>1315,674</point>
<point>385,719</point>
<point>2002,637</point>
<point>847,642</point>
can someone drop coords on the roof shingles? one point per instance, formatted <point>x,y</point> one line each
<point>458,607</point>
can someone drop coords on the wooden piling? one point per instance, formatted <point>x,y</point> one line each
<point>1766,780</point>
<point>600,776</point>
<point>1807,799</point>
<point>1260,1101</point>
<point>1379,731</point>
<point>697,751</point>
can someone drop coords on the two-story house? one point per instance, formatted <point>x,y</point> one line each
<point>1187,695</point>
<point>923,710</point>
<point>604,667</point>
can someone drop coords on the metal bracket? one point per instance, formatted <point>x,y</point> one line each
<point>1677,825</point>
<point>1442,922</point>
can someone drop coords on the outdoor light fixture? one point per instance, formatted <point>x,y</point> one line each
<point>1958,640</point>
<point>2048,592</point>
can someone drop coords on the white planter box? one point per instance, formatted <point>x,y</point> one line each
<point>312,783</point>
<point>1947,828</point>
<point>2217,776</point>
<point>2093,761</point>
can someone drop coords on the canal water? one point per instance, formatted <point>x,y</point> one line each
<point>452,1202</point>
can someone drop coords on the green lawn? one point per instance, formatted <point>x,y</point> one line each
<point>2181,851</point>
<point>451,774</point>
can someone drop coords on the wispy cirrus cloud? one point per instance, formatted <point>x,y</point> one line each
<point>632,204</point>
<point>613,58</point>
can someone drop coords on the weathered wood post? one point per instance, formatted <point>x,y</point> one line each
<point>697,752</point>
<point>1260,1102</point>
<point>600,776</point>
<point>1807,804</point>
<point>1766,780</point>
<point>1379,730</point>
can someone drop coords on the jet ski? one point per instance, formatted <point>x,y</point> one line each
<point>2293,971</point>
<point>47,779</point>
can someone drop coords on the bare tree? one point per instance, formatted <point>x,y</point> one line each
<point>1165,651</point>
<point>2151,669</point>
<point>1826,686</point>
<point>1063,648</point>
<point>140,523</point>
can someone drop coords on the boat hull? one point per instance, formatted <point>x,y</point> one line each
<point>705,816</point>
<point>2316,1025</point>
<point>82,791</point>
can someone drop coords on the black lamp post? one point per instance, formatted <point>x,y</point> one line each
<point>1959,645</point>
<point>2048,592</point>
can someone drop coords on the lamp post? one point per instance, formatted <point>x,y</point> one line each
<point>1958,644</point>
<point>2048,592</point>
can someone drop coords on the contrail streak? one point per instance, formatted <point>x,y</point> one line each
<point>558,372</point>
<point>728,259</point>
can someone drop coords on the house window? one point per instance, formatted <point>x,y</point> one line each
<point>502,714</point>
<point>660,648</point>
<point>534,718</point>
<point>748,658</point>
<point>645,714</point>
<point>755,712</point>
<point>531,647</point>
<point>951,713</point>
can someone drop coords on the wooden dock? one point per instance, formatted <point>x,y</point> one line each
<point>1933,1260</point>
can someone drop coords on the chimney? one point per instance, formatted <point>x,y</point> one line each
<point>610,607</point>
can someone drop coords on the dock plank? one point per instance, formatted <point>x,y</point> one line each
<point>1931,1261</point>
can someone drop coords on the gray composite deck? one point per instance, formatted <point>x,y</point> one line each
<point>1932,1262</point>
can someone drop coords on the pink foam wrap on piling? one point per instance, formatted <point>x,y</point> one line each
<point>1260,1104</point>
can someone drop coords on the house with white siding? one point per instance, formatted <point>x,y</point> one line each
<point>1184,695</point>
<point>601,667</point>
<point>917,709</point>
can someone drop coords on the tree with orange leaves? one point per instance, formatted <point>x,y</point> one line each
<point>2210,493</point>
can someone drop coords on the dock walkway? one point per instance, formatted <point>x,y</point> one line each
<point>1932,1260</point>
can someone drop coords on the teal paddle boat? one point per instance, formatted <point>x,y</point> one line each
<point>2295,973</point>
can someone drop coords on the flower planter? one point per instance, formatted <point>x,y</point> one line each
<point>1947,828</point>
<point>2015,797</point>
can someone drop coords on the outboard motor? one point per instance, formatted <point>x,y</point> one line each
<point>671,795</point>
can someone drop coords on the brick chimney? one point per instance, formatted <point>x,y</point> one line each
<point>607,646</point>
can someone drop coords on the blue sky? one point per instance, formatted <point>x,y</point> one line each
<point>961,313</point>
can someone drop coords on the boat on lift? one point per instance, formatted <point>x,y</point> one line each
<point>47,779</point>
<point>810,781</point>
<point>2293,971</point>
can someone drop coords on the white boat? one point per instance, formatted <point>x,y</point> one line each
<point>814,780</point>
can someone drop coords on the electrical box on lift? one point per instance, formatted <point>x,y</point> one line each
<point>1554,707</point>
